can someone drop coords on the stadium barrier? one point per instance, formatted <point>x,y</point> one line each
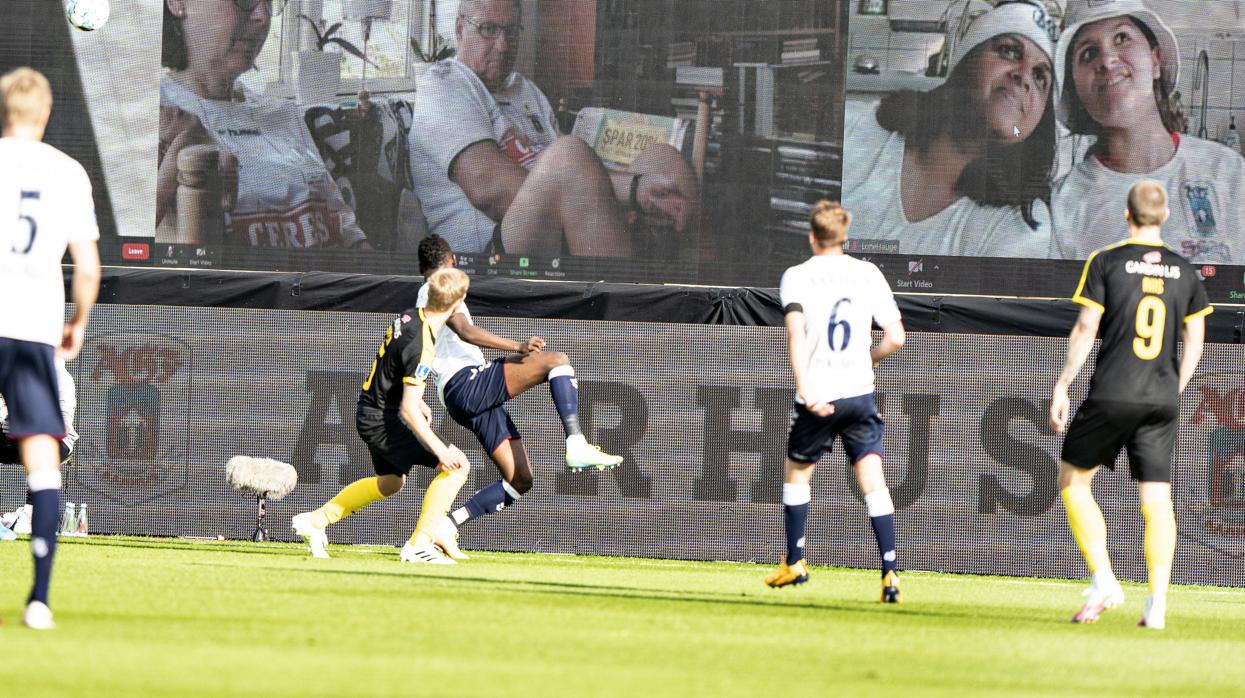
<point>168,394</point>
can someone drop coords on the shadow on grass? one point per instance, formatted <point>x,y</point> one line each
<point>738,599</point>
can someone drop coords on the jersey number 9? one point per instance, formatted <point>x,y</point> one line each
<point>1151,323</point>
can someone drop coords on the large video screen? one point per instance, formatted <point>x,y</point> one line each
<point>627,140</point>
<point>1016,130</point>
<point>982,148</point>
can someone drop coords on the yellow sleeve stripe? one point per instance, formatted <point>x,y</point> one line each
<point>1080,285</point>
<point>1082,300</point>
<point>409,380</point>
<point>1203,312</point>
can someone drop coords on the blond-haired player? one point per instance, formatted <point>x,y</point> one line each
<point>1143,296</point>
<point>831,302</point>
<point>394,421</point>
<point>45,207</point>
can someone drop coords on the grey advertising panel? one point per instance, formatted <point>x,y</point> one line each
<point>168,395</point>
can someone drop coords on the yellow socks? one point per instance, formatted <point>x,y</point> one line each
<point>1160,545</point>
<point>352,498</point>
<point>1088,527</point>
<point>437,502</point>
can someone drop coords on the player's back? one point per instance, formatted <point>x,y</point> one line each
<point>453,353</point>
<point>45,203</point>
<point>1146,293</point>
<point>404,358</point>
<point>840,297</point>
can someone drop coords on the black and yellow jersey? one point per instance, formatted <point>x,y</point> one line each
<point>404,358</point>
<point>1146,293</point>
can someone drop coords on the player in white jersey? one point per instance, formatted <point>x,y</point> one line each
<point>474,392</point>
<point>45,206</point>
<point>831,302</point>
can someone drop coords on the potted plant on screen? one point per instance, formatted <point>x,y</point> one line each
<point>318,73</point>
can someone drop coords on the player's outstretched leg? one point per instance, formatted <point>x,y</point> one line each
<point>1090,531</point>
<point>527,370</point>
<point>310,525</point>
<point>511,460</point>
<point>437,501</point>
<point>1160,543</point>
<point>44,480</point>
<point>881,512</point>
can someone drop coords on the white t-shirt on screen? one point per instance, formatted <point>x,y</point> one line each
<point>1205,184</point>
<point>454,110</point>
<point>872,171</point>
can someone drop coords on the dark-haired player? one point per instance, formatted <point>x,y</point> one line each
<point>45,207</point>
<point>1142,296</point>
<point>475,391</point>
<point>831,302</point>
<point>393,421</point>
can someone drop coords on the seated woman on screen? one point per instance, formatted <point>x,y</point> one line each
<point>963,169</point>
<point>1119,63</point>
<point>285,196</point>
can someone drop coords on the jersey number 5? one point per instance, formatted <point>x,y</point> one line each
<point>24,216</point>
<point>836,324</point>
<point>1151,323</point>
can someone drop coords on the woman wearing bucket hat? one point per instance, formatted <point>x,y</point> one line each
<point>963,169</point>
<point>1119,62</point>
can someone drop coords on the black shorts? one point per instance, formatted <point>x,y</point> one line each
<point>29,387</point>
<point>1102,427</point>
<point>393,446</point>
<point>475,397</point>
<point>855,420</point>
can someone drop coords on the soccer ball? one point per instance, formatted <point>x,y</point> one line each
<point>87,15</point>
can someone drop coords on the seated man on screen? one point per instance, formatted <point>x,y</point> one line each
<point>493,172</point>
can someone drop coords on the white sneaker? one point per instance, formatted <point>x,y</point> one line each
<point>445,537</point>
<point>38,616</point>
<point>426,554</point>
<point>7,533</point>
<point>581,455</point>
<point>1155,615</point>
<point>21,520</point>
<point>1099,599</point>
<point>316,539</point>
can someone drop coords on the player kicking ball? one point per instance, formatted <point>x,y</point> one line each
<point>394,422</point>
<point>830,303</point>
<point>1142,295</point>
<point>475,392</point>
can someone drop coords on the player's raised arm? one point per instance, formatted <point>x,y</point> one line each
<point>474,334</point>
<point>1080,342</point>
<point>893,338</point>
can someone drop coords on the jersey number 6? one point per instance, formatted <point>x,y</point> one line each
<point>836,324</point>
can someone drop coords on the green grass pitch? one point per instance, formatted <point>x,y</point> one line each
<point>148,617</point>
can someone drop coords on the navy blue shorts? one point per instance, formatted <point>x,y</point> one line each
<point>855,420</point>
<point>475,398</point>
<point>29,387</point>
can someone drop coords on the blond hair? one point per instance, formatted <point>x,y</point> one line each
<point>446,287</point>
<point>1147,203</point>
<point>25,98</point>
<point>829,222</point>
